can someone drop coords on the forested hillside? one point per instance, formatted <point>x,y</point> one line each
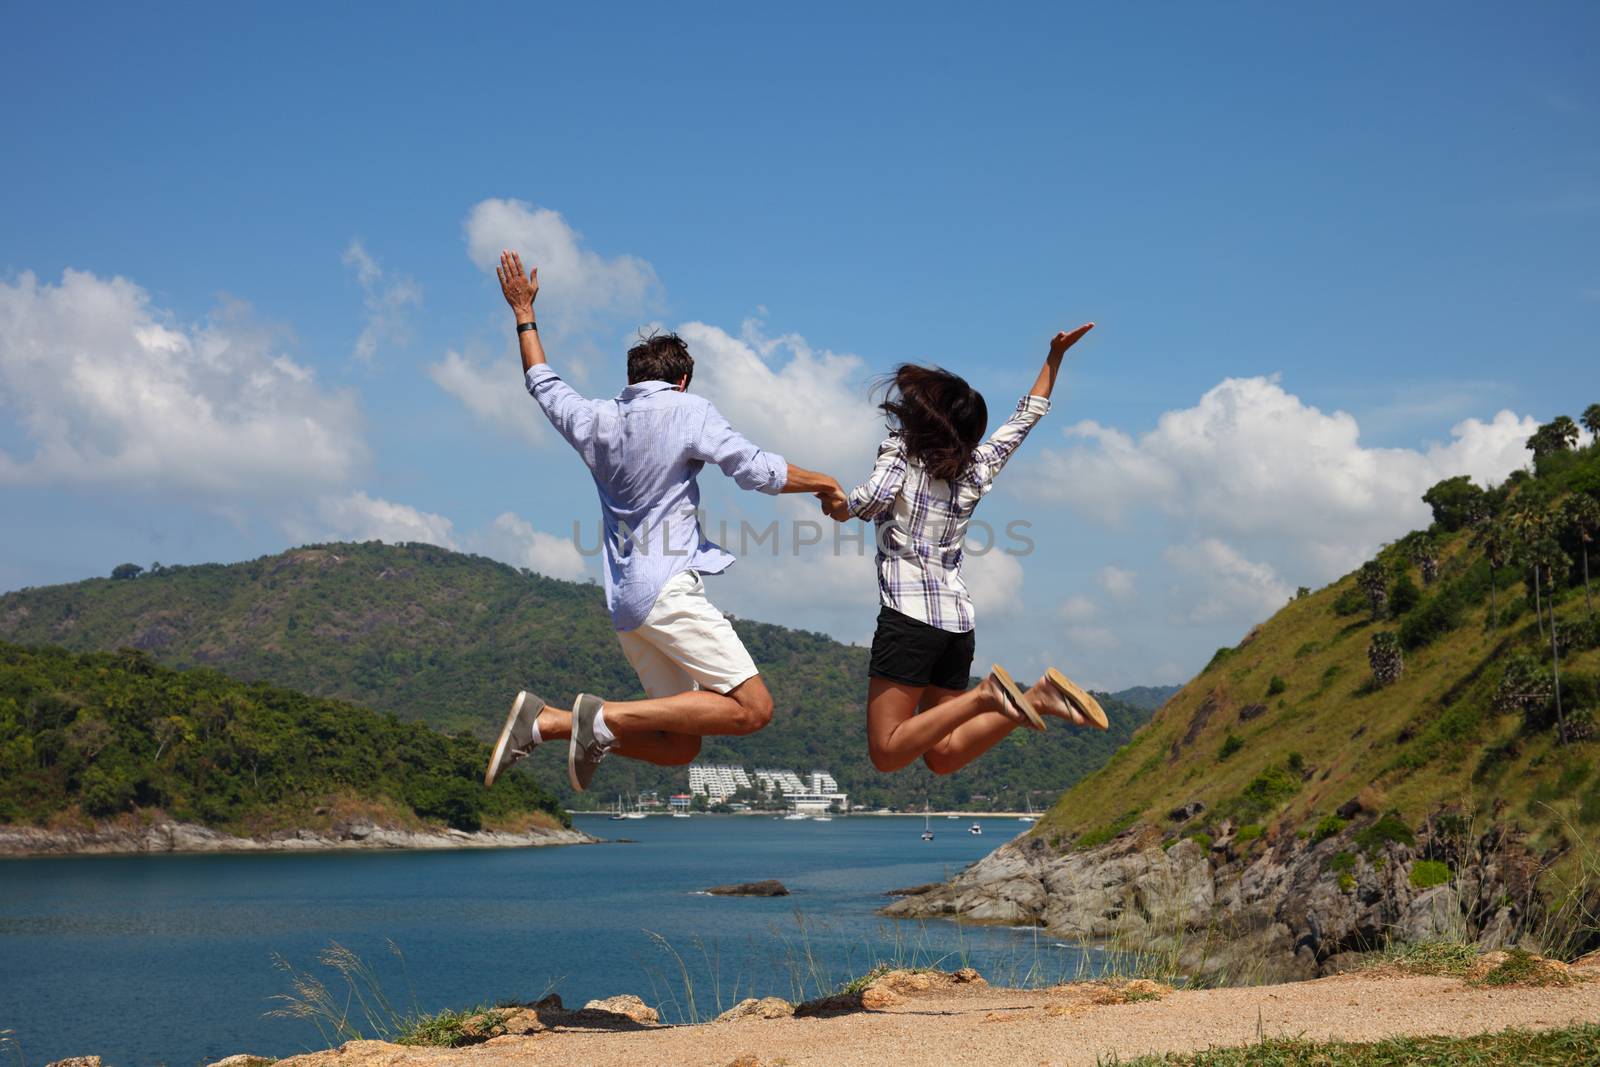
<point>99,735</point>
<point>447,638</point>
<point>1459,669</point>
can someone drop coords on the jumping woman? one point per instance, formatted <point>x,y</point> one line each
<point>931,472</point>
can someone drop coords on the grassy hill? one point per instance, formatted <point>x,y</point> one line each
<point>446,638</point>
<point>1280,732</point>
<point>101,735</point>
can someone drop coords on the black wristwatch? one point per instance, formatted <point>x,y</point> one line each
<point>524,327</point>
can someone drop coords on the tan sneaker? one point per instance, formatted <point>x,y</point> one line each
<point>1056,694</point>
<point>1013,703</point>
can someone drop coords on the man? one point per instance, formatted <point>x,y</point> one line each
<point>645,449</point>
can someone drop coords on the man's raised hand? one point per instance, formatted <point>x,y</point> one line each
<point>1065,340</point>
<point>519,289</point>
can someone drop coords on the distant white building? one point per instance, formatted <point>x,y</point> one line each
<point>817,792</point>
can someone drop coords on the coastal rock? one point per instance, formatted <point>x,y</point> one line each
<point>243,1059</point>
<point>752,1008</point>
<point>769,887</point>
<point>1293,909</point>
<point>113,838</point>
<point>629,1005</point>
<point>76,1061</point>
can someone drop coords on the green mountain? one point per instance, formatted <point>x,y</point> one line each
<point>1424,680</point>
<point>446,638</point>
<point>101,735</point>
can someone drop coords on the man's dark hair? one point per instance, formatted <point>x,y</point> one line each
<point>660,357</point>
<point>939,415</point>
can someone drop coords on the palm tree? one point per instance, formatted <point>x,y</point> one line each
<point>1497,543</point>
<point>1531,525</point>
<point>1374,583</point>
<point>1582,513</point>
<point>1560,434</point>
<point>1591,420</point>
<point>1425,554</point>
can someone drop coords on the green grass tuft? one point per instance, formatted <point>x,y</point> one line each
<point>1425,874</point>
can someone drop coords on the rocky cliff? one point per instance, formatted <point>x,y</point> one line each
<point>191,837</point>
<point>1253,910</point>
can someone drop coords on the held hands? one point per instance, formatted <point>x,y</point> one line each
<point>834,503</point>
<point>518,288</point>
<point>1065,340</point>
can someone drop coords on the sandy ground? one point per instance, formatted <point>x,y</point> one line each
<point>1062,1026</point>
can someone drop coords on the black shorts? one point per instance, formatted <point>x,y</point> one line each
<point>911,652</point>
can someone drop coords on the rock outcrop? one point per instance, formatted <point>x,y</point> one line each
<point>1261,911</point>
<point>191,837</point>
<point>769,887</point>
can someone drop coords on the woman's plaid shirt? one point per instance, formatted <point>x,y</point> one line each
<point>922,522</point>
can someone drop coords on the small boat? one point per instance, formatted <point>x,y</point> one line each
<point>1030,817</point>
<point>927,831</point>
<point>975,829</point>
<point>680,815</point>
<point>822,818</point>
<point>794,816</point>
<point>952,816</point>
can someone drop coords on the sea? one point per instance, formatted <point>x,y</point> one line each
<point>181,960</point>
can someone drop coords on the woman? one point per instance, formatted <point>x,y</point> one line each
<point>931,472</point>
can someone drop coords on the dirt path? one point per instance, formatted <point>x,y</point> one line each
<point>1061,1026</point>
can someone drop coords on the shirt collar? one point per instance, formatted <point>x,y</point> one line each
<point>638,389</point>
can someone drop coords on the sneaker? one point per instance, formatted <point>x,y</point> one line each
<point>1085,705</point>
<point>1014,703</point>
<point>585,751</point>
<point>516,736</point>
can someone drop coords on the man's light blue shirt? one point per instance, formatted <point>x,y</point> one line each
<point>645,449</point>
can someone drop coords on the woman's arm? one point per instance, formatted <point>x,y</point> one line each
<point>1052,362</point>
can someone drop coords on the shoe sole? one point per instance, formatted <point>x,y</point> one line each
<point>572,748</point>
<point>1017,698</point>
<point>1079,698</point>
<point>505,739</point>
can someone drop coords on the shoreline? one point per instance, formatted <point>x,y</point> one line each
<point>780,813</point>
<point>178,838</point>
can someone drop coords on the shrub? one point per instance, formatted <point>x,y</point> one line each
<point>1350,602</point>
<point>1389,828</point>
<point>1342,861</point>
<point>1264,795</point>
<point>1441,614</point>
<point>1403,595</point>
<point>1296,763</point>
<point>1217,658</point>
<point>1230,745</point>
<point>1425,874</point>
<point>1456,502</point>
<point>1105,833</point>
<point>1202,839</point>
<point>1373,581</point>
<point>1276,686</point>
<point>1249,832</point>
<point>1327,826</point>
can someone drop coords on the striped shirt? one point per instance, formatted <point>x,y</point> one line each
<point>922,522</point>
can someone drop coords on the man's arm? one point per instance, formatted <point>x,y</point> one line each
<point>520,291</point>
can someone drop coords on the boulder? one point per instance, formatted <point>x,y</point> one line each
<point>764,1008</point>
<point>243,1059</point>
<point>629,1005</point>
<point>76,1061</point>
<point>770,887</point>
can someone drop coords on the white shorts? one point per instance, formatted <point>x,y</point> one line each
<point>686,643</point>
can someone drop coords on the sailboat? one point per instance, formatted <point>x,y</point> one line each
<point>617,815</point>
<point>637,812</point>
<point>927,831</point>
<point>1030,817</point>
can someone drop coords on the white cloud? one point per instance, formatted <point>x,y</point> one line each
<point>110,390</point>
<point>494,393</point>
<point>995,581</point>
<point>1117,582</point>
<point>359,517</point>
<point>385,300</point>
<point>1251,459</point>
<point>1077,609</point>
<point>1092,638</point>
<point>1223,585</point>
<point>513,539</point>
<point>577,285</point>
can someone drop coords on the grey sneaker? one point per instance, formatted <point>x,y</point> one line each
<point>585,751</point>
<point>516,736</point>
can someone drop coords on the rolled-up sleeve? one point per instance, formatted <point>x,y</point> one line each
<point>750,467</point>
<point>990,457</point>
<point>570,413</point>
<point>877,494</point>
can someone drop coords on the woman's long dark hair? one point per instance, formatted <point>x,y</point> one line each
<point>940,417</point>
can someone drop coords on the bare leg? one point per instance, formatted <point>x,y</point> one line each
<point>897,734</point>
<point>660,747</point>
<point>966,742</point>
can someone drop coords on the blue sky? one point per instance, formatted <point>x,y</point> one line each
<point>1326,251</point>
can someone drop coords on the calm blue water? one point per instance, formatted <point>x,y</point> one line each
<point>168,959</point>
